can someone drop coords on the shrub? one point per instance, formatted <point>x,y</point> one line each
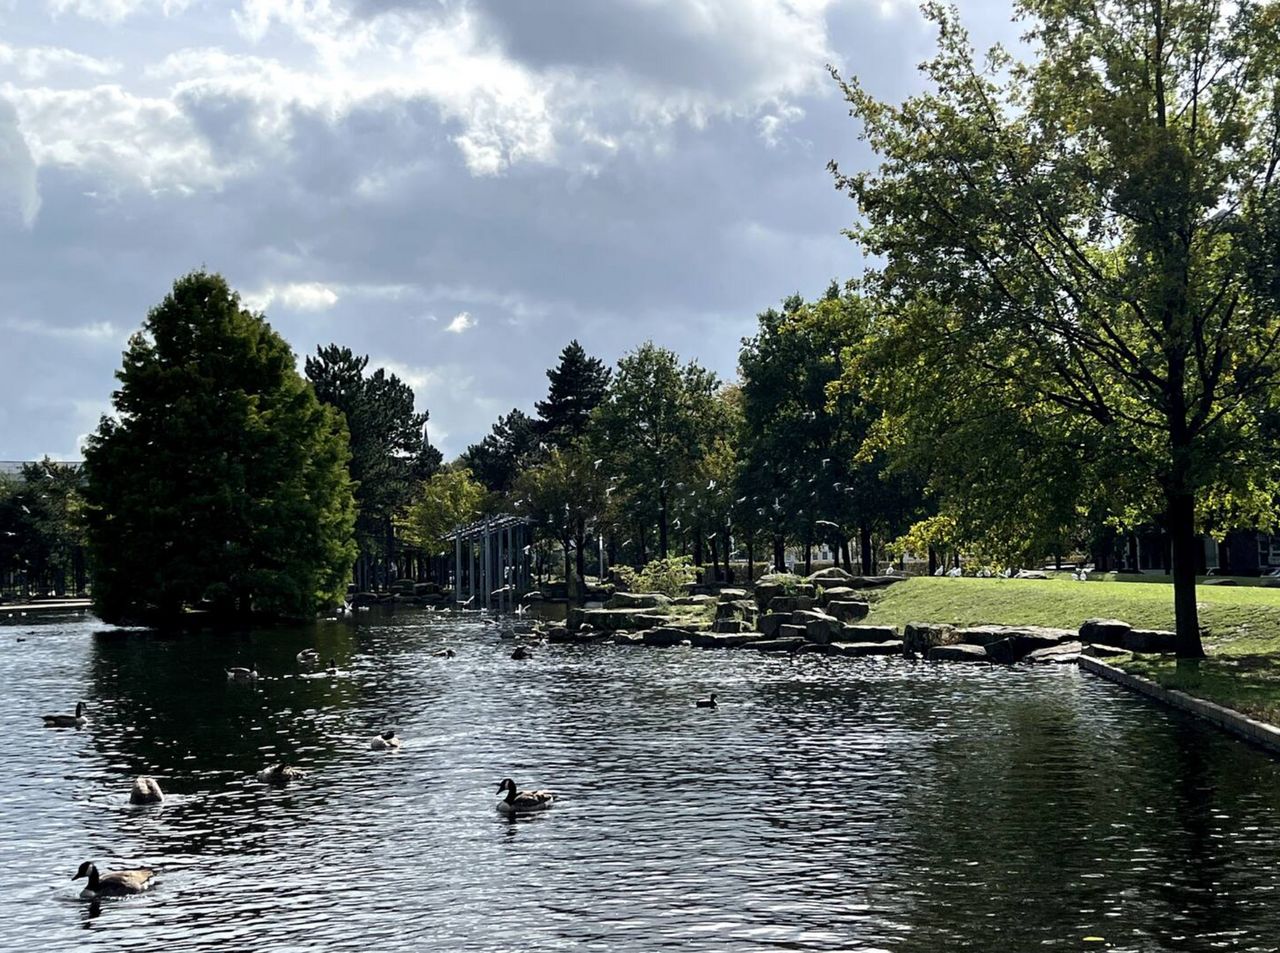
<point>671,576</point>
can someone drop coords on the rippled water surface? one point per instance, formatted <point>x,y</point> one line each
<point>829,804</point>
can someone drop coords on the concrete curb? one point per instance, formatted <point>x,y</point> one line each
<point>1250,729</point>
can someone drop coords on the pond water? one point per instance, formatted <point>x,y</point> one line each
<point>828,804</point>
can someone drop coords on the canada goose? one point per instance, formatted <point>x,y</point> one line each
<point>520,653</point>
<point>516,801</point>
<point>280,774</point>
<point>446,653</point>
<point>66,721</point>
<point>116,883</point>
<point>146,791</point>
<point>707,702</point>
<point>239,673</point>
<point>384,741</point>
<point>308,657</point>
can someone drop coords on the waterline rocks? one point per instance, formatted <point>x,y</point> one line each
<point>919,637</point>
<point>1062,654</point>
<point>1106,631</point>
<point>637,600</point>
<point>870,633</point>
<point>958,653</point>
<point>849,610</point>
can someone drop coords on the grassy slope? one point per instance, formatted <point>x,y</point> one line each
<point>1243,671</point>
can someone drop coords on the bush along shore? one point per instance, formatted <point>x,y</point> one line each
<point>823,614</point>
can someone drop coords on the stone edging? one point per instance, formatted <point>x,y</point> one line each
<point>1250,729</point>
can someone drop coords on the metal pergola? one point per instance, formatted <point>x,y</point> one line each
<point>492,564</point>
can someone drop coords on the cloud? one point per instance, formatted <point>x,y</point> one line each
<point>19,192</point>
<point>116,10</point>
<point>462,321</point>
<point>35,63</point>
<point>98,331</point>
<point>296,296</point>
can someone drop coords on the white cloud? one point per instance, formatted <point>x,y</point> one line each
<point>462,321</point>
<point>295,296</point>
<point>19,189</point>
<point>35,63</point>
<point>97,331</point>
<point>115,10</point>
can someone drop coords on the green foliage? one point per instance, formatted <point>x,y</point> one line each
<point>222,481</point>
<point>578,384</point>
<point>451,498</point>
<point>42,527</point>
<point>1076,282</point>
<point>497,460</point>
<point>670,576</point>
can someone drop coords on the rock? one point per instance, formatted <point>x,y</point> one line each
<point>637,600</point>
<point>869,633</point>
<point>700,600</point>
<point>613,620</point>
<point>1096,650</point>
<point>793,632</point>
<point>426,589</point>
<point>849,610</point>
<point>1220,582</point>
<point>708,640</point>
<point>790,603</point>
<point>836,594</point>
<point>1061,654</point>
<point>987,634</point>
<point>558,633</point>
<point>776,645</point>
<point>731,626</point>
<point>1106,631</point>
<point>665,637</point>
<point>740,609</point>
<point>818,626</point>
<point>873,582</point>
<point>1029,574</point>
<point>1019,645</point>
<point>1149,640</point>
<point>733,595</point>
<point>574,617</point>
<point>364,599</point>
<point>920,637</point>
<point>627,638</point>
<point>958,653</point>
<point>859,649</point>
<point>775,584</point>
<point>830,574</point>
<point>768,624</point>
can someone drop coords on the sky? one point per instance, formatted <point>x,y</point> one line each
<point>456,188</point>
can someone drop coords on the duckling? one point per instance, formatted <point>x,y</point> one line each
<point>239,673</point>
<point>519,801</point>
<point>280,774</point>
<point>707,702</point>
<point>384,741</point>
<point>446,653</point>
<point>308,657</point>
<point>520,653</point>
<point>66,721</point>
<point>116,883</point>
<point>146,791</point>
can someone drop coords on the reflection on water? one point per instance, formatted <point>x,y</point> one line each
<point>827,804</point>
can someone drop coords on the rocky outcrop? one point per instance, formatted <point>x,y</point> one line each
<point>860,649</point>
<point>665,637</point>
<point>818,626</point>
<point>1102,651</point>
<point>1062,654</point>
<point>711,640</point>
<point>791,631</point>
<point>1149,640</point>
<point>872,582</point>
<point>869,633</point>
<point>732,626</point>
<point>738,609</point>
<point>790,603</point>
<point>920,637</point>
<point>699,600</point>
<point>637,600</point>
<point>1019,645</point>
<point>613,620</point>
<point>791,644</point>
<point>849,610</point>
<point>958,653</point>
<point>733,595</point>
<point>768,624</point>
<point>988,634</point>
<point>832,574</point>
<point>1106,631</point>
<point>835,594</point>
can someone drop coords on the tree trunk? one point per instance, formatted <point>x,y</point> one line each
<point>580,552</point>
<point>1181,521</point>
<point>845,555</point>
<point>864,541</point>
<point>751,557</point>
<point>933,560</point>
<point>698,552</point>
<point>662,524</point>
<point>808,556</point>
<point>779,552</point>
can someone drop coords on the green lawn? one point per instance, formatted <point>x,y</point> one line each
<point>1242,672</point>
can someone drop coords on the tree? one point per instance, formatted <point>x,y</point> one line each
<point>578,385</point>
<point>496,460</point>
<point>654,427</point>
<point>42,528</point>
<point>222,481</point>
<point>566,497</point>
<point>451,498</point>
<point>1095,234</point>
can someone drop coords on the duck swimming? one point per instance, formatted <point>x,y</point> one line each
<point>238,673</point>
<point>520,653</point>
<point>384,741</point>
<point>280,774</point>
<point>115,883</point>
<point>146,791</point>
<point>332,667</point>
<point>308,657</point>
<point>708,702</point>
<point>520,801</point>
<point>66,721</point>
<point>446,653</point>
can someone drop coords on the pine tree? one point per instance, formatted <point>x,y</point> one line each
<point>578,384</point>
<point>221,483</point>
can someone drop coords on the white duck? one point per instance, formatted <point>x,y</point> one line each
<point>146,791</point>
<point>520,801</point>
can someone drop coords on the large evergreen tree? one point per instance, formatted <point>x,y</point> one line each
<point>578,385</point>
<point>497,460</point>
<point>222,481</point>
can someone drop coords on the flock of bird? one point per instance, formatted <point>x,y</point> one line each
<point>146,790</point>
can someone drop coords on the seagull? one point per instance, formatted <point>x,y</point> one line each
<point>597,463</point>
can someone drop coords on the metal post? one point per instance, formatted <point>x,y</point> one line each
<point>485,580</point>
<point>457,569</point>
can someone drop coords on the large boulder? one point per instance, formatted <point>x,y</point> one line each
<point>739,609</point>
<point>989,634</point>
<point>958,653</point>
<point>869,633</point>
<point>790,603</point>
<point>614,620</point>
<point>732,626</point>
<point>859,649</point>
<point>920,637</point>
<point>1061,654</point>
<point>791,631</point>
<point>713,640</point>
<point>791,644</point>
<point>849,610</point>
<point>1149,640</point>
<point>732,595</point>
<point>774,584</point>
<point>637,600</point>
<point>1019,645</point>
<point>830,574</point>
<point>666,636</point>
<point>872,582</point>
<point>699,600</point>
<point>1096,650</point>
<point>835,594</point>
<point>818,626</point>
<point>1106,631</point>
<point>768,624</point>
